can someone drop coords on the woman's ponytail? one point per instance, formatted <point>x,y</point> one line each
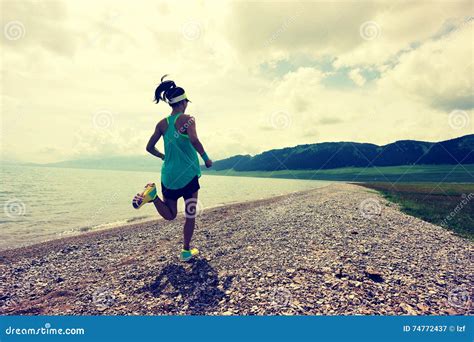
<point>164,89</point>
<point>168,90</point>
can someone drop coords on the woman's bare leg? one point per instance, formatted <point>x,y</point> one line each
<point>190,211</point>
<point>167,208</point>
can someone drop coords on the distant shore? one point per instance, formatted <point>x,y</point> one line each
<point>403,173</point>
<point>340,249</point>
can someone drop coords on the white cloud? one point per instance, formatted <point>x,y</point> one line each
<point>109,142</point>
<point>77,58</point>
<point>400,25</point>
<point>439,72</point>
<point>356,77</point>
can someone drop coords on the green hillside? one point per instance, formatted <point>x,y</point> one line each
<point>417,173</point>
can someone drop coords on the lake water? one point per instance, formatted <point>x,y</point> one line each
<point>42,203</point>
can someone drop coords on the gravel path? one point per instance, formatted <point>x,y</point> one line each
<point>337,250</point>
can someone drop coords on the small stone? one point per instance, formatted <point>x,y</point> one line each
<point>451,311</point>
<point>373,271</point>
<point>408,308</point>
<point>374,274</point>
<point>423,307</point>
<point>297,280</point>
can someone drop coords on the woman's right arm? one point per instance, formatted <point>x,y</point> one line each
<point>150,147</point>
<point>192,134</point>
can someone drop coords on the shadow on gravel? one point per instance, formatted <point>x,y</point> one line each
<point>198,287</point>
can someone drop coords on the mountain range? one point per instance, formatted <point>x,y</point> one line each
<point>332,155</point>
<point>328,155</point>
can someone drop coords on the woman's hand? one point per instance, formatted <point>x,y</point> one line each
<point>208,163</point>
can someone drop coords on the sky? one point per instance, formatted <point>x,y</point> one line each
<point>78,77</point>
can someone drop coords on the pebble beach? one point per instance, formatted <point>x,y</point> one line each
<point>337,250</point>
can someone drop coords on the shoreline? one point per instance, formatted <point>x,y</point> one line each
<point>81,230</point>
<point>400,173</point>
<point>86,235</point>
<point>314,252</point>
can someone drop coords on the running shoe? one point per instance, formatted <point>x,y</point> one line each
<point>187,255</point>
<point>148,195</point>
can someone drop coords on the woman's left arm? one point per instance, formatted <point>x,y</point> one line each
<point>150,147</point>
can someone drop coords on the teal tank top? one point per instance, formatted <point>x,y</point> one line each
<point>181,163</point>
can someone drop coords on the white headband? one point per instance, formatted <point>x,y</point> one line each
<point>177,99</point>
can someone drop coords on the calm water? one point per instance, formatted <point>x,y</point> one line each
<point>45,203</point>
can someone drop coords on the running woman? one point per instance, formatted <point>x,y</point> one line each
<point>180,171</point>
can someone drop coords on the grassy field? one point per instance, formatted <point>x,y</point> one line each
<point>432,193</point>
<point>417,173</point>
<point>447,204</point>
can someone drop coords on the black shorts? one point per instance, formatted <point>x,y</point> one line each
<point>186,192</point>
